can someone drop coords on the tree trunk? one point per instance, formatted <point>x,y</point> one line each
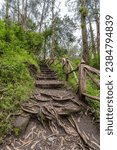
<point>85,54</point>
<point>25,16</point>
<point>18,13</point>
<point>98,33</point>
<point>93,49</point>
<point>7,9</point>
<point>53,30</point>
<point>14,11</point>
<point>97,27</point>
<point>42,16</point>
<point>22,18</point>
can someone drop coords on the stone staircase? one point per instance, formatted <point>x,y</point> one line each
<point>54,119</point>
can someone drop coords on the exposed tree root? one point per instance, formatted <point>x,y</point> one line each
<point>84,136</point>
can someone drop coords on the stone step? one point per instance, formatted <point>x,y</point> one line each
<point>40,98</point>
<point>47,71</point>
<point>49,84</point>
<point>48,75</point>
<point>46,78</point>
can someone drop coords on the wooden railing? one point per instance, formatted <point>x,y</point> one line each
<point>83,71</point>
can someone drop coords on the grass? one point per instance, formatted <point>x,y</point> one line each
<point>16,84</point>
<point>17,49</point>
<point>92,89</point>
<point>61,74</point>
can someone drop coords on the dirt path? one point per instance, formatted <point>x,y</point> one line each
<point>54,119</point>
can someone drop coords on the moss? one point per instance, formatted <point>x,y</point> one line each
<point>16,131</point>
<point>82,26</point>
<point>83,11</point>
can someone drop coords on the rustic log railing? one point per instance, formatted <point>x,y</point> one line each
<point>83,71</point>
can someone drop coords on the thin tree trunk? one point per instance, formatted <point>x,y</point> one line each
<point>97,27</point>
<point>18,13</point>
<point>22,18</point>
<point>42,16</point>
<point>14,11</point>
<point>53,28</point>
<point>85,54</point>
<point>98,33</point>
<point>93,49</point>
<point>7,9</point>
<point>25,20</point>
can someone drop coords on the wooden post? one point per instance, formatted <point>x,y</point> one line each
<point>82,79</point>
<point>67,68</point>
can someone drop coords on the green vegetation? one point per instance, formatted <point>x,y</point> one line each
<point>57,66</point>
<point>17,49</point>
<point>95,61</point>
<point>92,89</point>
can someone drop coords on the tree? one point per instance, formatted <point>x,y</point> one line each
<point>94,12</point>
<point>7,10</point>
<point>97,23</point>
<point>80,9</point>
<point>93,49</point>
<point>83,12</point>
<point>53,29</point>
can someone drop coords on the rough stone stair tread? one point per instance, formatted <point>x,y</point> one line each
<point>53,92</point>
<point>48,75</point>
<point>46,78</point>
<point>41,98</point>
<point>49,82</point>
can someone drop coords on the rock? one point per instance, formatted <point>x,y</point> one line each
<point>21,122</point>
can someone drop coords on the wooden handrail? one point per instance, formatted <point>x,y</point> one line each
<point>83,71</point>
<point>93,79</point>
<point>92,97</point>
<point>93,70</point>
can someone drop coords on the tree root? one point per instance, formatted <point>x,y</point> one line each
<point>83,137</point>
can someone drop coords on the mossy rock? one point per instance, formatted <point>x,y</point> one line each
<point>21,122</point>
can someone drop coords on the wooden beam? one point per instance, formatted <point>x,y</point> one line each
<point>92,78</point>
<point>93,70</point>
<point>92,97</point>
<point>82,80</point>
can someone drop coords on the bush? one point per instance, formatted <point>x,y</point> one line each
<point>95,61</point>
<point>16,82</point>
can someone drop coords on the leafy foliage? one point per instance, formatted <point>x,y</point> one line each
<point>16,82</point>
<point>95,61</point>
